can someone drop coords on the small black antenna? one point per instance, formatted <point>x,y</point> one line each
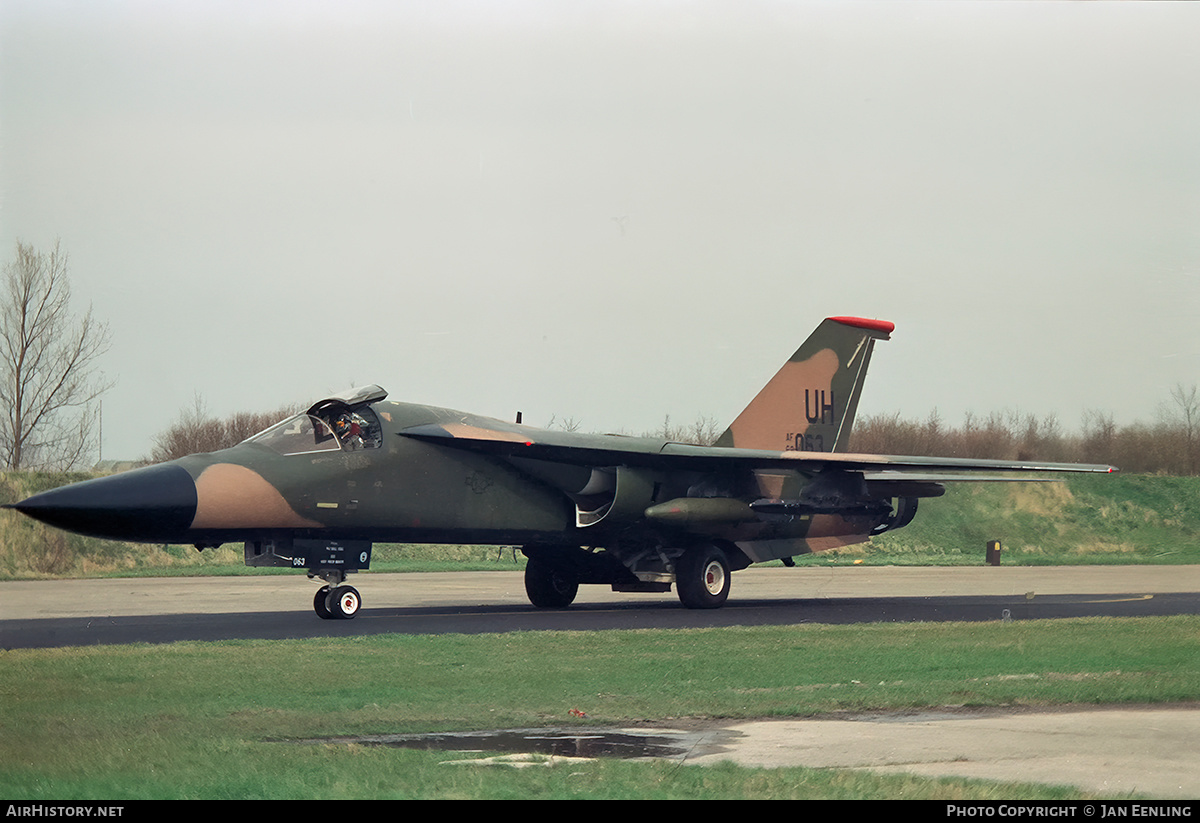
<point>518,417</point>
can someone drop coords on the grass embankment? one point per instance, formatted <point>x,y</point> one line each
<point>1119,519</point>
<point>1087,520</point>
<point>217,719</point>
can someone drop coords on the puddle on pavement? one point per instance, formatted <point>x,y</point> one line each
<point>620,743</point>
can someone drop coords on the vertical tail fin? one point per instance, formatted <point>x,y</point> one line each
<point>809,404</point>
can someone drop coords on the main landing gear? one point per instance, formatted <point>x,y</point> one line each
<point>335,601</point>
<point>702,574</point>
<point>549,587</point>
<point>702,577</point>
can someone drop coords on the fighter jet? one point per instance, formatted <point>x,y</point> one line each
<point>639,514</point>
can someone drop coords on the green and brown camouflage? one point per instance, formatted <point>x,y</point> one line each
<point>828,371</point>
<point>317,490</point>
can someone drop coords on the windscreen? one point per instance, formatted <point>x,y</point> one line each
<point>302,434</point>
<point>330,429</point>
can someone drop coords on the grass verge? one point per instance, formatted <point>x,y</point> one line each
<point>204,719</point>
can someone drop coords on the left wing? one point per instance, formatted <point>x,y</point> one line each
<point>607,449</point>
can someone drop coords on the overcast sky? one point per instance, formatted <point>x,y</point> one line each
<point>612,211</point>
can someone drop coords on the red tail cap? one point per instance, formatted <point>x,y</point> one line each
<point>866,323</point>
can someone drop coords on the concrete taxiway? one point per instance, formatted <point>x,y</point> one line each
<point>1112,752</point>
<point>123,597</point>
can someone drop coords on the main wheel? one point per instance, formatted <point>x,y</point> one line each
<point>702,578</point>
<point>343,602</point>
<point>319,603</point>
<point>548,587</point>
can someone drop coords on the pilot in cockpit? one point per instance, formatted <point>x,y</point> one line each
<point>349,432</point>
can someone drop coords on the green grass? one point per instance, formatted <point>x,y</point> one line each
<point>207,719</point>
<point>358,772</point>
<point>1089,520</point>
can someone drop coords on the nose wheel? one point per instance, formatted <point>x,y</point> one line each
<point>338,603</point>
<point>320,604</point>
<point>335,601</point>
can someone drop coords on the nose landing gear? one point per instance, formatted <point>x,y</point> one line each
<point>334,601</point>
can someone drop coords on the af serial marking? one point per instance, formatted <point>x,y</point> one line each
<point>635,513</point>
<point>800,442</point>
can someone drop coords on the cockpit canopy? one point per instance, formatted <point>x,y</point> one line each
<point>351,398</point>
<point>343,422</point>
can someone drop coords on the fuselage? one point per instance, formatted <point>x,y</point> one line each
<point>302,480</point>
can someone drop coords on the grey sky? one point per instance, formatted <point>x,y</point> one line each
<point>612,210</point>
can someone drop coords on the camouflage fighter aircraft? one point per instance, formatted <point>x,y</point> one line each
<point>317,490</point>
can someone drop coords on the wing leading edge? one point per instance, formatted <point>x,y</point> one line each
<point>611,450</point>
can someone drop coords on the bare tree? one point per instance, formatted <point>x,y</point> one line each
<point>1182,415</point>
<point>197,431</point>
<point>703,431</point>
<point>567,424</point>
<point>48,358</point>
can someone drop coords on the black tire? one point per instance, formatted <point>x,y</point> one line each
<point>343,602</point>
<point>548,587</point>
<point>702,578</point>
<point>319,603</point>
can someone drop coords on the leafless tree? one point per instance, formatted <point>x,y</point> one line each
<point>703,431</point>
<point>197,431</point>
<point>567,424</point>
<point>1182,415</point>
<point>48,360</point>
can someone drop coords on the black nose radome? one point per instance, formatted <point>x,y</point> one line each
<point>151,504</point>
